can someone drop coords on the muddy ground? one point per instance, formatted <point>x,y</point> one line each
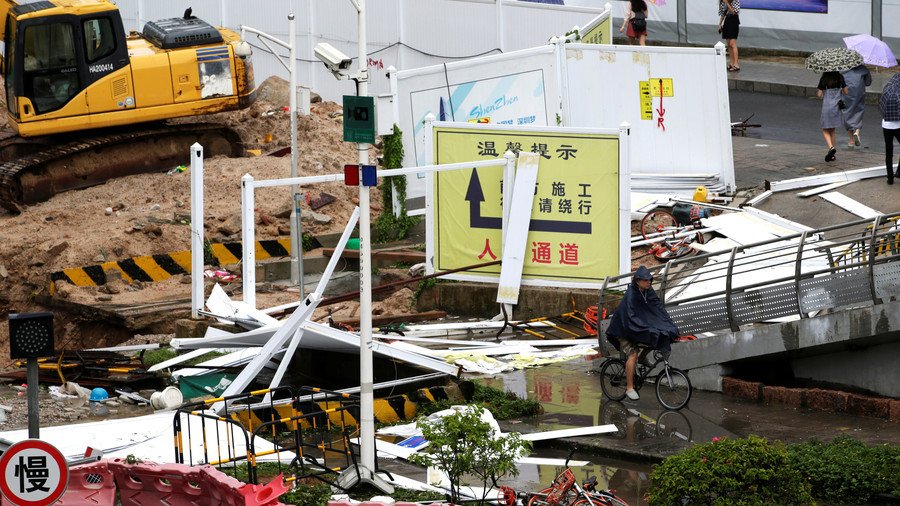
<point>149,214</point>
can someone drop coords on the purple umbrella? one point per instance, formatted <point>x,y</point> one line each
<point>873,50</point>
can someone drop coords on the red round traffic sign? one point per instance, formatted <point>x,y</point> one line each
<point>34,473</point>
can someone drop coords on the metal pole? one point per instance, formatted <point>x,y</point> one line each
<point>197,250</point>
<point>296,244</point>
<point>366,398</point>
<point>876,19</point>
<point>681,21</point>
<point>248,239</point>
<point>34,409</point>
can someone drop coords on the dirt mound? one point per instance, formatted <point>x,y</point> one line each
<point>149,214</point>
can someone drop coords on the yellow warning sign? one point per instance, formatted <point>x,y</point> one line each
<point>574,230</point>
<point>646,100</point>
<point>663,85</point>
<point>599,34</point>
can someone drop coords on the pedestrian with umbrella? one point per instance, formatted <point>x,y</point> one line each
<point>889,104</point>
<point>874,52</point>
<point>831,89</point>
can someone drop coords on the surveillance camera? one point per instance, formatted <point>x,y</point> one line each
<point>242,49</point>
<point>335,60</point>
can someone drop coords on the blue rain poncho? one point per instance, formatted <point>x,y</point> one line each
<point>641,317</point>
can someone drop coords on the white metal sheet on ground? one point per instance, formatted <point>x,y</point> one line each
<point>580,431</point>
<point>221,304</point>
<point>850,205</point>
<point>778,220</point>
<point>822,189</point>
<point>516,238</point>
<point>716,245</point>
<point>540,461</point>
<point>234,359</point>
<point>818,180</point>
<point>146,437</point>
<point>744,228</point>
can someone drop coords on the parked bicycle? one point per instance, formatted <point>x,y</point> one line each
<point>566,491</point>
<point>673,387</point>
<point>674,239</point>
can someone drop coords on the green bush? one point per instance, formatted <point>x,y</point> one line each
<point>735,472</point>
<point>847,471</point>
<point>503,405</point>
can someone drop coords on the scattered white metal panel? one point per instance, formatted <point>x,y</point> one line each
<point>580,431</point>
<point>517,234</point>
<point>822,189</point>
<point>817,180</point>
<point>146,437</point>
<point>850,205</point>
<point>234,359</point>
<point>759,198</point>
<point>778,220</point>
<point>745,228</point>
<point>221,304</point>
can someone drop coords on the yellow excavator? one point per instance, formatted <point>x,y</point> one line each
<point>86,101</point>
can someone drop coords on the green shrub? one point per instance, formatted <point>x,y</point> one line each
<point>502,404</point>
<point>735,472</point>
<point>847,471</point>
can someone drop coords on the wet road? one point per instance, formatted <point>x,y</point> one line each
<point>796,119</point>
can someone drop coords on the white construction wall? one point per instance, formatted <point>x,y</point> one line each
<point>588,86</point>
<point>401,33</point>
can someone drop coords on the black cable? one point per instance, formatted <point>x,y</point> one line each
<point>449,95</point>
<point>385,48</point>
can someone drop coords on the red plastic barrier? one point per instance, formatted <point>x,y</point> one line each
<point>89,484</point>
<point>374,503</point>
<point>149,483</point>
<point>227,491</point>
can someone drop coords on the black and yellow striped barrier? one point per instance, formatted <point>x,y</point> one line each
<point>153,268</point>
<point>393,409</point>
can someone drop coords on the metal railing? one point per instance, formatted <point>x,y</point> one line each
<point>840,266</point>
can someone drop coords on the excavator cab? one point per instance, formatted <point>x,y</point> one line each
<point>52,58</point>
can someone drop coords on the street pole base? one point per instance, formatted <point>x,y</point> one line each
<point>356,474</point>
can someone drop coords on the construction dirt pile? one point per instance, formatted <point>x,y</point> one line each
<point>150,214</point>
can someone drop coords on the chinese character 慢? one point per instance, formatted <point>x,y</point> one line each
<point>566,151</point>
<point>540,253</point>
<point>35,471</point>
<point>545,205</point>
<point>559,189</point>
<point>515,147</point>
<point>487,148</point>
<point>543,389</point>
<point>487,250</point>
<point>584,207</point>
<point>568,253</point>
<point>584,189</point>
<point>540,149</point>
<point>565,206</point>
<point>571,393</point>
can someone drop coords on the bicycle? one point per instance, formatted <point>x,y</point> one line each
<point>566,491</point>
<point>674,239</point>
<point>673,387</point>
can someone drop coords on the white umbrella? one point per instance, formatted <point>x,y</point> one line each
<point>874,51</point>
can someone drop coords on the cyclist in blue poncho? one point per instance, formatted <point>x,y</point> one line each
<point>640,319</point>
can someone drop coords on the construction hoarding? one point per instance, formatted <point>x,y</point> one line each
<point>588,86</point>
<point>573,237</point>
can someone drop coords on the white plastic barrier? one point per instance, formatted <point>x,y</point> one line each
<point>593,86</point>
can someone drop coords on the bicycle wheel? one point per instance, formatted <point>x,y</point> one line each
<point>673,388</point>
<point>658,221</point>
<point>675,425</point>
<point>539,499</point>
<point>612,379</point>
<point>600,500</point>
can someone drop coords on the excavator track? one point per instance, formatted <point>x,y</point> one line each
<point>85,162</point>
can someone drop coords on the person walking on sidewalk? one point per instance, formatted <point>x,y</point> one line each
<point>641,319</point>
<point>729,26</point>
<point>857,79</point>
<point>636,21</point>
<point>831,90</point>
<point>889,104</point>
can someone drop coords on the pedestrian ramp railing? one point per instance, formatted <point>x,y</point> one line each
<point>798,276</point>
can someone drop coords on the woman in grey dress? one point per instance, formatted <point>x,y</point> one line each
<point>857,79</point>
<point>831,90</point>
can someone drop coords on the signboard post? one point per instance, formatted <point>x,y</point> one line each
<point>576,217</point>
<point>34,473</point>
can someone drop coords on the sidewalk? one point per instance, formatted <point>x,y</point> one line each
<point>789,76</point>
